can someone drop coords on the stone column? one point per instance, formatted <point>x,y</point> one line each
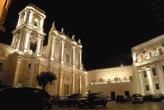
<point>161,82</point>
<point>26,39</point>
<point>41,23</point>
<point>80,84</point>
<point>150,80</point>
<point>30,17</point>
<point>62,52</point>
<point>80,59</point>
<point>52,47</point>
<point>141,82</point>
<point>61,83</point>
<point>73,63</point>
<point>25,16</point>
<point>85,82</point>
<point>22,39</point>
<point>13,40</point>
<point>18,22</point>
<point>73,82</point>
<point>39,45</point>
<point>17,71</point>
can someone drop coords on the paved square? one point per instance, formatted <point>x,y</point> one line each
<point>120,106</point>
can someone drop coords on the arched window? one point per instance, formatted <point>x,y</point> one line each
<point>35,23</point>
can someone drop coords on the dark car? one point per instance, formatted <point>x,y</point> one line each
<point>148,97</point>
<point>69,100</point>
<point>157,98</point>
<point>55,99</point>
<point>93,100</point>
<point>137,98</point>
<point>24,99</point>
<point>122,99</point>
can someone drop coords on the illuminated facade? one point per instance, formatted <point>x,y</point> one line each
<point>62,56</point>
<point>148,61</point>
<point>144,76</point>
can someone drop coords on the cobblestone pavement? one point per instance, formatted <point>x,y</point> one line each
<point>120,106</point>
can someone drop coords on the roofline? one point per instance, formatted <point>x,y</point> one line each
<point>149,42</point>
<point>111,68</point>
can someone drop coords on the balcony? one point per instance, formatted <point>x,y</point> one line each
<point>111,82</point>
<point>149,60</point>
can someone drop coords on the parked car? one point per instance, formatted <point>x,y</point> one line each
<point>25,99</point>
<point>69,100</point>
<point>137,98</point>
<point>156,98</point>
<point>92,100</point>
<point>148,97</point>
<point>122,99</point>
<point>55,99</point>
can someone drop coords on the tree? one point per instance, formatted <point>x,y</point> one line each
<point>44,78</point>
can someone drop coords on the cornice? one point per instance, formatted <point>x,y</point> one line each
<point>28,27</point>
<point>149,42</point>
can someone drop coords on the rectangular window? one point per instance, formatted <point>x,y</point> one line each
<point>157,86</point>
<point>154,72</point>
<point>150,55</point>
<point>1,65</point>
<point>160,51</point>
<point>67,58</point>
<point>147,87</point>
<point>142,58</point>
<point>163,68</point>
<point>144,73</point>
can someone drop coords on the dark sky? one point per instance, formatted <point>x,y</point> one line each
<point>107,30</point>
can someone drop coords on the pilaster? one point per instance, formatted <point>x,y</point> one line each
<point>62,52</point>
<point>141,81</point>
<point>150,80</point>
<point>73,81</point>
<point>17,71</point>
<point>160,75</point>
<point>61,82</point>
<point>73,56</point>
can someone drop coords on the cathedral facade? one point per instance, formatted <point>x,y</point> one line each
<point>26,57</point>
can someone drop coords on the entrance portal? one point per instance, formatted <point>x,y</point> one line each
<point>113,95</point>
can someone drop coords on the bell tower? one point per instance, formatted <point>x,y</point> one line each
<point>29,30</point>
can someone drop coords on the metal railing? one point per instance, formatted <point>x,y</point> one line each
<point>111,81</point>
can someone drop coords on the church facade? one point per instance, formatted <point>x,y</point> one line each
<point>26,57</point>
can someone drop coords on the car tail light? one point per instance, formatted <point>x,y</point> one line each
<point>51,98</point>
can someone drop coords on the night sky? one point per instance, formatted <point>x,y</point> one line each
<point>107,30</point>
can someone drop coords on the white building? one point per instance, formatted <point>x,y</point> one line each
<point>144,76</point>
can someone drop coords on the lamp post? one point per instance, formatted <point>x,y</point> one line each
<point>33,48</point>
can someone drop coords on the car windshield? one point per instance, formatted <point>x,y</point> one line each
<point>120,96</point>
<point>136,95</point>
<point>75,95</point>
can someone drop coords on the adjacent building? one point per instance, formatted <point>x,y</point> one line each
<point>26,57</point>
<point>148,62</point>
<point>144,76</point>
